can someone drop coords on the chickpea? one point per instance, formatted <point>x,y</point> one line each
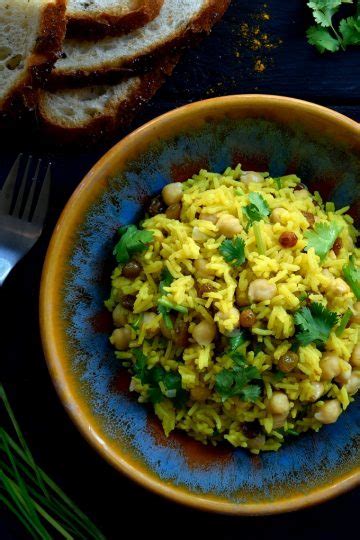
<point>172,193</point>
<point>148,320</point>
<point>278,215</point>
<point>330,366</point>
<point>260,290</point>
<point>199,236</point>
<point>131,270</point>
<point>174,211</point>
<point>339,287</point>
<point>353,384</point>
<point>251,177</point>
<point>355,357</point>
<point>256,443</point>
<point>204,333</point>
<point>247,318</point>
<point>120,316</point>
<point>288,362</point>
<point>121,338</point>
<point>344,374</point>
<point>279,404</point>
<point>356,313</point>
<point>317,391</point>
<point>329,412</point>
<point>229,225</point>
<point>213,218</point>
<point>288,239</point>
<point>201,267</point>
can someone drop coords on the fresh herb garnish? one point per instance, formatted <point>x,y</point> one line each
<point>324,35</point>
<point>164,312</point>
<point>237,339</point>
<point>352,276</point>
<point>233,251</point>
<point>162,384</point>
<point>258,208</point>
<point>315,324</point>
<point>291,432</point>
<point>235,382</point>
<point>169,306</point>
<point>322,237</point>
<point>344,321</point>
<point>166,280</point>
<point>132,241</point>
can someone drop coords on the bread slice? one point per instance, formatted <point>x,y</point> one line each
<point>31,35</point>
<point>99,18</point>
<point>94,111</point>
<point>178,22</point>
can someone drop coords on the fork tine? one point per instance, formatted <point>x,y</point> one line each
<point>20,195</point>
<point>30,198</point>
<point>7,192</point>
<point>43,201</point>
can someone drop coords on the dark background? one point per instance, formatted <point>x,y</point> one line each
<point>222,64</point>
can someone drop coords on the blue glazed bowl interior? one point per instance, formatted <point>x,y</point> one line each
<point>303,465</point>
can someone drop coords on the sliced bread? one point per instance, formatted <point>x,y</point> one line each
<point>31,35</point>
<point>178,22</point>
<point>99,18</point>
<point>94,111</point>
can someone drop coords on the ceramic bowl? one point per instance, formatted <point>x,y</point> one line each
<point>272,133</point>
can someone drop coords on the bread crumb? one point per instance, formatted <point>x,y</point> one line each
<point>259,66</point>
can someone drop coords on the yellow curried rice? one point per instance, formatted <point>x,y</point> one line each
<point>211,309</point>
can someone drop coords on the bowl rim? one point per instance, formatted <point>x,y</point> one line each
<point>51,342</point>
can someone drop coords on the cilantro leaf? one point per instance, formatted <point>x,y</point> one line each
<point>233,251</point>
<point>132,241</point>
<point>315,324</point>
<point>352,276</point>
<point>324,10</point>
<point>155,395</point>
<point>344,321</point>
<point>250,393</point>
<point>164,312</point>
<point>237,339</point>
<point>322,237</point>
<point>234,382</point>
<point>258,208</point>
<point>140,367</point>
<point>322,39</point>
<point>166,280</point>
<point>350,30</point>
<point>279,375</point>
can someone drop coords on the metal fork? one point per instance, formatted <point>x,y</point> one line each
<point>20,229</point>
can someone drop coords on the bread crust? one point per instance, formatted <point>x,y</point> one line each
<point>47,50</point>
<point>86,26</point>
<point>212,12</point>
<point>117,115</point>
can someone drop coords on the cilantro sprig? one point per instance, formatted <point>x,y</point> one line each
<point>325,36</point>
<point>132,240</point>
<point>314,324</point>
<point>352,276</point>
<point>235,381</point>
<point>258,208</point>
<point>322,237</point>
<point>233,251</point>
<point>162,384</point>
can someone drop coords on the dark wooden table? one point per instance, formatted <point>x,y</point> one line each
<point>230,61</point>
